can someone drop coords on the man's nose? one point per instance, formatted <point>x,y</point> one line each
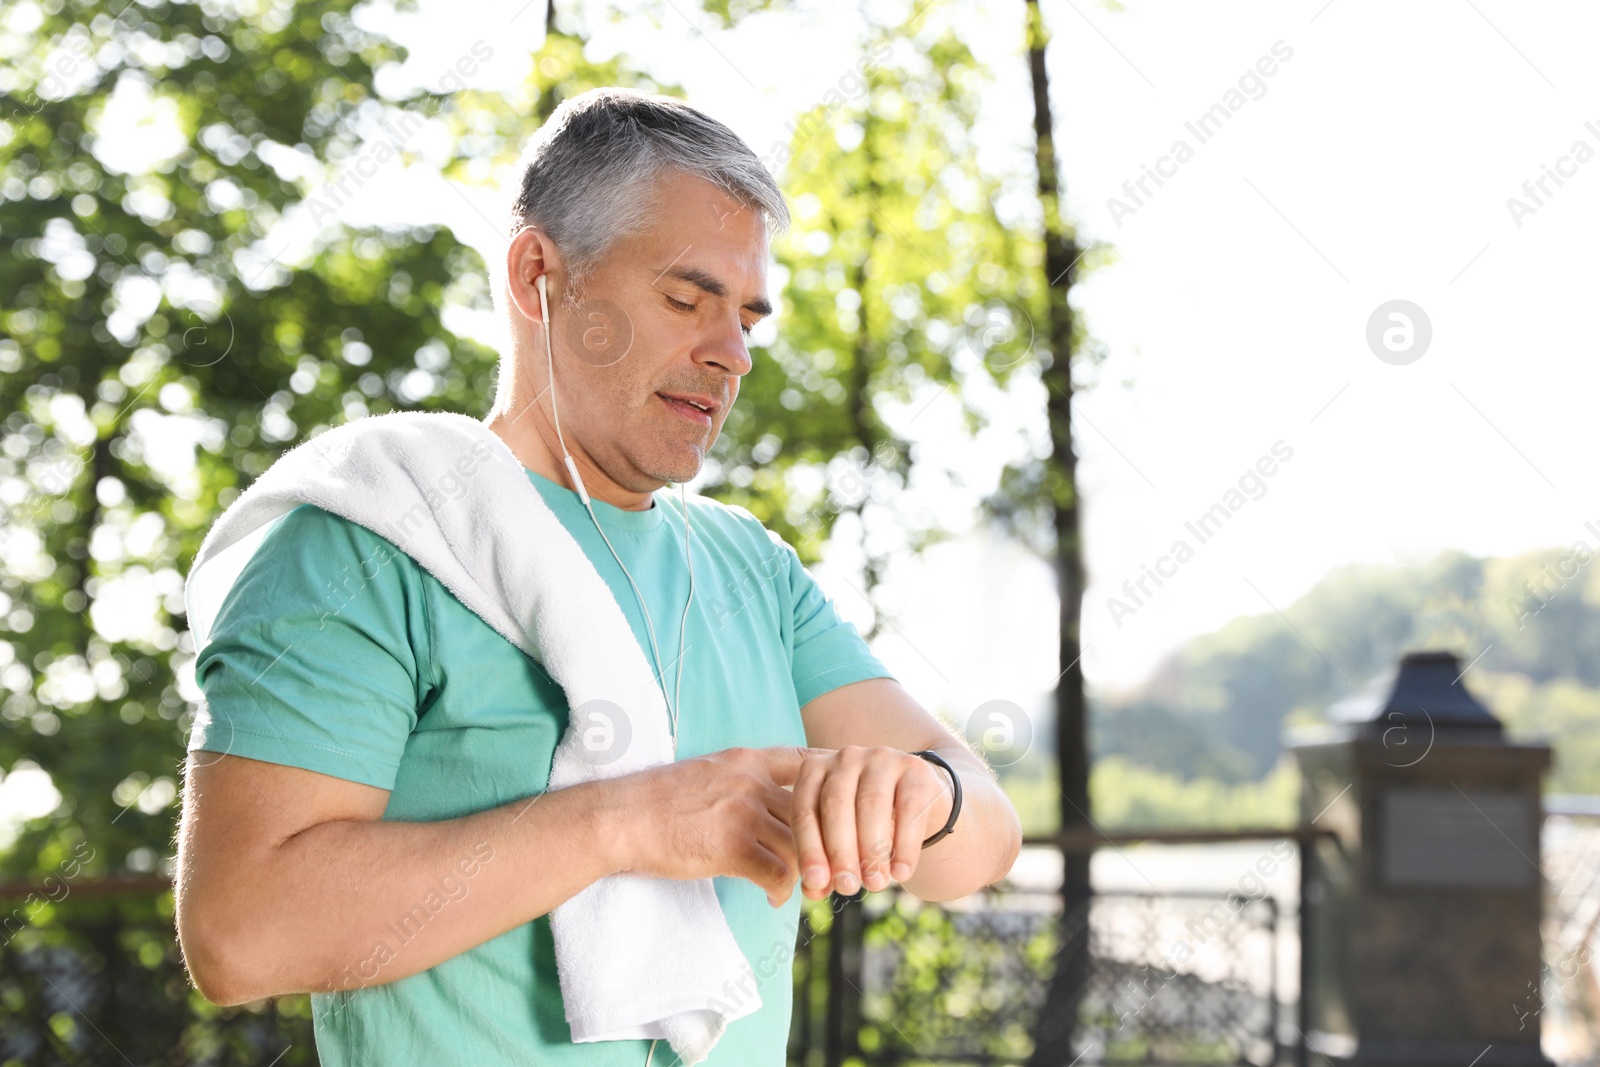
<point>726,349</point>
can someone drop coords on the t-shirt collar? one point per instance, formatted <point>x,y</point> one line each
<point>610,516</point>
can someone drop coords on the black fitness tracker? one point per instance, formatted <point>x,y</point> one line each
<point>955,805</point>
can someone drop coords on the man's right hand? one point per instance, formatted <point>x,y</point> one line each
<point>722,814</point>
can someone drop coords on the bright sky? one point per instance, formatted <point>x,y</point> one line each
<point>1373,164</point>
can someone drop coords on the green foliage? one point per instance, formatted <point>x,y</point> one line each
<point>1564,713</point>
<point>142,303</point>
<point>489,130</point>
<point>133,1002</point>
<point>899,273</point>
<point>951,988</point>
<point>938,983</point>
<point>1127,795</point>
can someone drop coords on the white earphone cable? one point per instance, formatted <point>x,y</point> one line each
<point>572,469</point>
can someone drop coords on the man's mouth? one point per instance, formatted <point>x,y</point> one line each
<point>694,407</point>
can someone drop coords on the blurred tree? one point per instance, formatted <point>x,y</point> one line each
<point>1042,494</point>
<point>152,298</point>
<point>157,163</point>
<point>902,283</point>
<point>488,130</point>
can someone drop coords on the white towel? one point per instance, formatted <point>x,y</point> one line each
<point>638,957</point>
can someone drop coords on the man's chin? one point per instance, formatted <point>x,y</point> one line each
<point>675,469</point>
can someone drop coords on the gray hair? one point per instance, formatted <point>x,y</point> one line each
<point>589,172</point>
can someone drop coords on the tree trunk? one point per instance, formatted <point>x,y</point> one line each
<point>1053,1034</point>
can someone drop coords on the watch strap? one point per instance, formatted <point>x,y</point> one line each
<point>955,804</point>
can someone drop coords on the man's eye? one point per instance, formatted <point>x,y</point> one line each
<point>746,328</point>
<point>679,304</point>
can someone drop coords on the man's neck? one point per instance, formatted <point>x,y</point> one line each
<point>527,443</point>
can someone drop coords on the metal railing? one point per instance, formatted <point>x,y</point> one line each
<point>886,979</point>
<point>91,973</point>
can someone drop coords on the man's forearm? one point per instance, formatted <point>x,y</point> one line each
<point>354,902</point>
<point>985,841</point>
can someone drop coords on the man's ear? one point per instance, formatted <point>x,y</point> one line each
<point>531,255</point>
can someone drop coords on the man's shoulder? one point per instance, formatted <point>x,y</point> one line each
<point>313,522</point>
<point>318,539</point>
<point>314,565</point>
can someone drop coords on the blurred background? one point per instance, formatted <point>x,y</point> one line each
<point>1147,380</point>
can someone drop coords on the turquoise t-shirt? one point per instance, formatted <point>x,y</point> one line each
<point>336,652</point>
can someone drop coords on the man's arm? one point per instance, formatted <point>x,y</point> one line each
<point>290,881</point>
<point>870,802</point>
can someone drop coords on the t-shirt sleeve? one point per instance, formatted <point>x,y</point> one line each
<point>828,652</point>
<point>319,657</point>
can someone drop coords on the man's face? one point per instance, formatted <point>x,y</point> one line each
<point>662,325</point>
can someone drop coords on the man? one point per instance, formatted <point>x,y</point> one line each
<point>369,743</point>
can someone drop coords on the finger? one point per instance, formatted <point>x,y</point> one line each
<point>875,817</point>
<point>775,837</point>
<point>780,890</point>
<point>913,799</point>
<point>767,871</point>
<point>752,843</point>
<point>774,848</point>
<point>783,762</point>
<point>780,802</point>
<point>806,831</point>
<point>836,811</point>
